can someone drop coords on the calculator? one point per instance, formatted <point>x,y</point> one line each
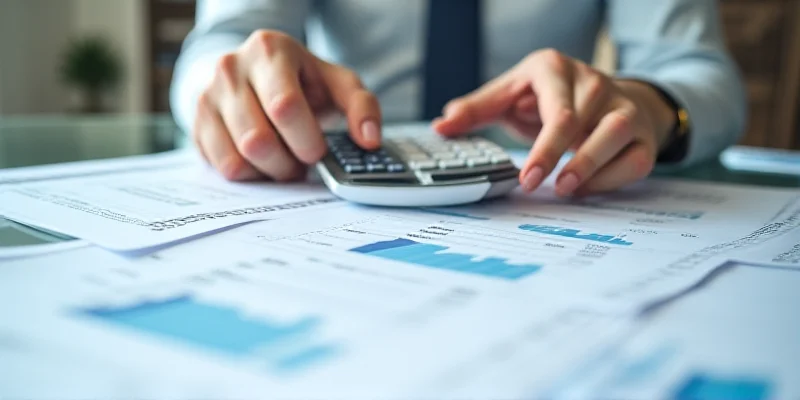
<point>416,167</point>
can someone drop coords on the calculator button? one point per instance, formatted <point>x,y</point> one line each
<point>417,157</point>
<point>445,156</point>
<point>450,164</point>
<point>347,153</point>
<point>470,153</point>
<point>354,169</point>
<point>494,151</point>
<point>488,146</point>
<point>478,161</point>
<point>350,161</point>
<point>373,159</point>
<point>396,167</point>
<point>376,167</point>
<point>465,146</point>
<point>497,159</point>
<point>424,164</point>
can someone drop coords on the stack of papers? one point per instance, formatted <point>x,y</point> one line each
<point>184,285</point>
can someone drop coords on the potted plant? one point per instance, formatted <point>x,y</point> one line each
<point>93,67</point>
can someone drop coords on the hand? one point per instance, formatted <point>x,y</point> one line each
<point>615,127</point>
<point>259,116</point>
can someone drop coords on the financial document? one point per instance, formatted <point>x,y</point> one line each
<point>142,209</point>
<point>625,250</point>
<point>228,329</point>
<point>736,339</point>
<point>156,161</point>
<point>283,289</point>
<point>782,249</point>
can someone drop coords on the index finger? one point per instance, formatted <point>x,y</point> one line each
<point>485,105</point>
<point>357,103</point>
<point>553,85</point>
<point>276,83</point>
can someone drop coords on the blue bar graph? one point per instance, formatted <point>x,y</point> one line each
<point>430,255</point>
<point>708,387</point>
<point>284,346</point>
<point>575,234</point>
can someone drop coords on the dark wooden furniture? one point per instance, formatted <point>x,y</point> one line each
<point>168,23</point>
<point>764,37</point>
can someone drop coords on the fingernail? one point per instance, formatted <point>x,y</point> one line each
<point>449,111</point>
<point>567,184</point>
<point>370,132</point>
<point>533,178</point>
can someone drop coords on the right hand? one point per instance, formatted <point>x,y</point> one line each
<point>259,116</point>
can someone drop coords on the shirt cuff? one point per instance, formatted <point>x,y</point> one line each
<point>697,150</point>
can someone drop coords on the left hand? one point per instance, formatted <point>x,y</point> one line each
<point>616,127</point>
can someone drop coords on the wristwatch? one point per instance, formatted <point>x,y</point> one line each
<point>677,144</point>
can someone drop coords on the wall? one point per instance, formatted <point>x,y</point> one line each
<point>123,22</point>
<point>34,34</point>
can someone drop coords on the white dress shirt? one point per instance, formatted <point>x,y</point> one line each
<point>676,45</point>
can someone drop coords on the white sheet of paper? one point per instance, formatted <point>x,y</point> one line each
<point>627,250</point>
<point>142,209</point>
<point>736,338</point>
<point>156,161</point>
<point>40,249</point>
<point>262,328</point>
<point>782,249</point>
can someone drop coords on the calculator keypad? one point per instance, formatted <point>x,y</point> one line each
<point>428,154</point>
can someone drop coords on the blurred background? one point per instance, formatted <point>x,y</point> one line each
<point>79,58</point>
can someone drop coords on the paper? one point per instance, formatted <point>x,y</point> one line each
<point>96,167</point>
<point>784,252</point>
<point>136,210</point>
<point>39,249</point>
<point>783,247</point>
<point>735,339</point>
<point>625,251</point>
<point>226,329</point>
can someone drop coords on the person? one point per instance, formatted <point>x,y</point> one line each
<point>256,77</point>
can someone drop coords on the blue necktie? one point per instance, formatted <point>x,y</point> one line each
<point>452,54</point>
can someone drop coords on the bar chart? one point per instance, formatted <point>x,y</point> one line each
<point>435,256</point>
<point>284,346</point>
<point>575,234</point>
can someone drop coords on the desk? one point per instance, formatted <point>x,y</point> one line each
<point>753,302</point>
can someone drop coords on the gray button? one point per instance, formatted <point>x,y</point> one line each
<point>416,157</point>
<point>376,167</point>
<point>488,146</point>
<point>478,161</point>
<point>500,158</point>
<point>450,164</point>
<point>396,167</point>
<point>470,153</point>
<point>424,165</point>
<point>354,169</point>
<point>445,156</point>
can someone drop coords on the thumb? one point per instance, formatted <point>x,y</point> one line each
<point>358,104</point>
